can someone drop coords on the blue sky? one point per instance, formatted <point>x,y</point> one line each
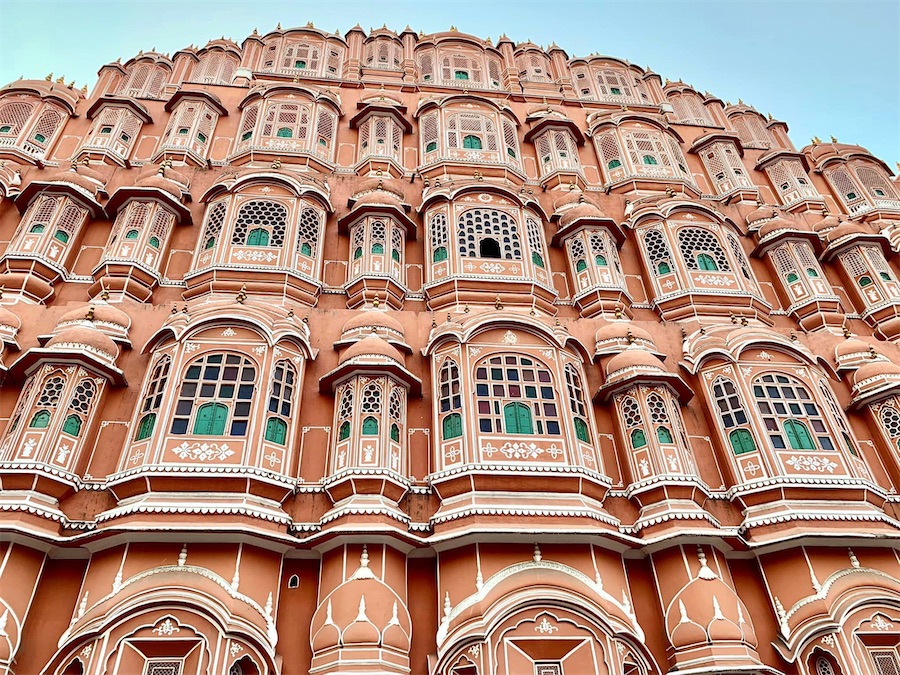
<point>823,67</point>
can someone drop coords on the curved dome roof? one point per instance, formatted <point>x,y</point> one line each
<point>779,224</point>
<point>619,330</point>
<point>850,347</point>
<point>844,230</point>
<point>81,176</point>
<point>761,214</point>
<point>827,223</point>
<point>372,346</point>
<point>586,210</point>
<point>99,313</point>
<point>9,318</point>
<point>161,183</point>
<point>876,368</point>
<point>89,339</point>
<point>632,358</point>
<point>372,319</point>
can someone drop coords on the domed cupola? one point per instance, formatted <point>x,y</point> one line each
<point>759,216</point>
<point>636,364</point>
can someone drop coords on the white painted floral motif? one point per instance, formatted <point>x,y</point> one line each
<point>228,332</point>
<point>828,640</point>
<point>235,649</point>
<point>203,452</point>
<point>509,338</point>
<point>879,623</point>
<point>492,268</point>
<point>545,627</point>
<point>811,463</point>
<point>167,627</point>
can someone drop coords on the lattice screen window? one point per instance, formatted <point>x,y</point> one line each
<point>191,125</point>
<point>849,192</point>
<point>396,410</point>
<point>472,131</point>
<point>248,123</point>
<point>116,129</point>
<point>554,668</point>
<point>308,232</point>
<point>13,118</point>
<point>577,405</point>
<point>701,250</point>
<point>790,416</point>
<point>426,67</point>
<point>791,181</point>
<point>535,241</point>
<point>380,136</point>
<point>216,396</point>
<point>515,395</point>
<point>615,85</point>
<point>511,142</point>
<point>215,67</point>
<point>144,81</point>
<point>740,257</point>
<point>533,67</point>
<point>370,408</point>
<point>79,407</point>
<point>156,667</point>
<point>214,222</point>
<point>752,131</point>
<point>301,57</point>
<point>344,412</point>
<point>324,139</point>
<point>57,219</point>
<point>47,401</point>
<point>41,134</point>
<point>604,252</point>
<point>557,150</point>
<point>876,184</point>
<point>610,153</point>
<point>633,421</point>
<point>689,109</point>
<point>657,251</point>
<point>725,168</point>
<point>383,53</point>
<point>577,255</point>
<point>887,661</point>
<point>648,149</point>
<point>287,120</point>
<point>260,223</point>
<point>488,233</point>
<point>889,417</point>
<point>439,237</point>
<point>462,69</point>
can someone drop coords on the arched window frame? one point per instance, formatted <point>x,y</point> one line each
<point>154,392</point>
<point>791,182</point>
<point>534,66</point>
<point>257,214</point>
<point>449,397</point>
<point>474,225</point>
<point>115,129</point>
<point>45,218</point>
<point>557,150</point>
<point>190,129</point>
<point>285,125</point>
<point>870,274</point>
<point>493,373</point>
<point>804,408</point>
<point>439,237</point>
<point>752,130</point>
<point>144,80</point>
<point>280,402</point>
<point>381,136</point>
<point>139,234</point>
<point>377,248</point>
<point>653,431</point>
<point>383,53</point>
<point>214,370</point>
<point>724,166</point>
<point>215,66</point>
<point>736,423</point>
<point>583,427</point>
<point>689,108</point>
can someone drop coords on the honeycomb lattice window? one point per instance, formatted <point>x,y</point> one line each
<point>51,392</point>
<point>535,241</point>
<point>163,668</point>
<point>345,412</point>
<point>308,231</point>
<point>695,242</point>
<point>488,233</point>
<point>82,396</point>
<point>890,421</point>
<point>658,252</point>
<point>214,222</point>
<point>270,217</point>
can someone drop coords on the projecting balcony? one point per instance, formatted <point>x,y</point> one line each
<point>192,149</point>
<point>489,163</point>
<point>251,148</point>
<point>656,177</point>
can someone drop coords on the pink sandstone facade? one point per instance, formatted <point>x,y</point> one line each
<point>401,353</point>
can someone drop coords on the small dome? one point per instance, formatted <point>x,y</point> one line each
<point>881,367</point>
<point>619,330</point>
<point>89,339</point>
<point>86,179</point>
<point>372,346</point>
<point>326,637</point>
<point>760,215</point>
<point>633,358</point>
<point>569,198</point>
<point>844,230</point>
<point>851,347</point>
<point>9,318</point>
<point>827,223</point>
<point>361,633</point>
<point>161,183</point>
<point>587,210</point>
<point>367,320</point>
<point>100,313</point>
<point>779,224</point>
<point>710,605</point>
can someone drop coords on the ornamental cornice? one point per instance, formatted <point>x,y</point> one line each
<point>519,468</point>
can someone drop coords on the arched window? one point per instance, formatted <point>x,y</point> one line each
<point>658,252</point>
<point>227,379</point>
<point>260,223</point>
<point>473,131</point>
<point>450,400</point>
<point>13,117</point>
<point>153,398</point>
<point>489,248</point>
<point>72,425</point>
<point>439,237</point>
<point>787,408</point>
<point>631,417</point>
<point>471,142</point>
<point>41,420</point>
<point>308,232</point>
<point>476,225</point>
<point>79,406</point>
<point>890,422</point>
<point>371,409</point>
<point>396,407</point>
<point>823,666</point>
<point>576,403</point>
<point>535,241</point>
<point>659,417</point>
<point>345,413</point>
<point>733,415</point>
<point>281,398</point>
<point>214,222</point>
<point>638,439</point>
<point>701,247</point>
<point>503,378</point>
<point>47,402</point>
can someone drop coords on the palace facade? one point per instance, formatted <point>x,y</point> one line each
<point>419,354</point>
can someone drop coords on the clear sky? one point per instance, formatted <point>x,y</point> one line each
<point>825,67</point>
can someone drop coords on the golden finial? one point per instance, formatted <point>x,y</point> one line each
<point>734,319</point>
<point>816,140</point>
<point>71,84</point>
<point>61,79</point>
<point>375,301</point>
<point>278,27</point>
<point>49,78</point>
<point>276,163</point>
<point>174,309</point>
<point>629,337</point>
<point>744,321</point>
<point>309,24</point>
<point>84,89</point>
<point>834,140</point>
<point>433,322</point>
<point>728,103</point>
<point>670,191</point>
<point>898,165</point>
<point>498,304</point>
<point>290,313</point>
<point>73,164</point>
<point>793,336</point>
<point>184,309</point>
<point>846,331</point>
<point>872,353</point>
<point>104,294</point>
<point>255,32</point>
<point>619,312</point>
<point>161,171</point>
<point>466,308</point>
<point>2,288</point>
<point>770,117</point>
<point>242,294</point>
<point>89,316</point>
<point>740,101</point>
<point>452,29</point>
